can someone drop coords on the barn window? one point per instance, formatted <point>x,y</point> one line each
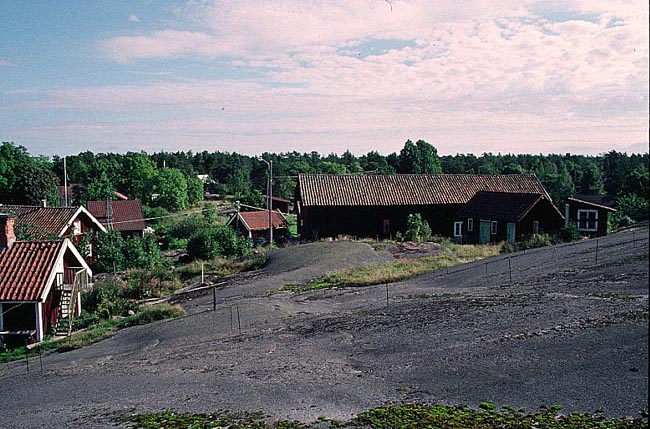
<point>458,229</point>
<point>493,227</point>
<point>587,220</point>
<point>535,227</point>
<point>470,224</point>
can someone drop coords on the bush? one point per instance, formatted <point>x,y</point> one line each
<point>107,299</point>
<point>569,233</point>
<point>417,229</point>
<point>144,284</point>
<point>634,206</point>
<point>218,241</point>
<point>536,241</point>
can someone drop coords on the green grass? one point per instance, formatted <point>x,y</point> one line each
<point>220,267</point>
<point>400,269</point>
<point>411,416</point>
<point>96,332</point>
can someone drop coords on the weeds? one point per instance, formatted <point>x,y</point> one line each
<point>403,417</point>
<point>398,270</point>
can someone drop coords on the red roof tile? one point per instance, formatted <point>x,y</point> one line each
<point>127,214</point>
<point>408,189</point>
<point>46,221</point>
<point>25,269</point>
<point>259,220</point>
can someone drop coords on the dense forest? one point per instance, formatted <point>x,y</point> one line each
<point>169,180</point>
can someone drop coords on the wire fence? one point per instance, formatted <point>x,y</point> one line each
<point>235,319</point>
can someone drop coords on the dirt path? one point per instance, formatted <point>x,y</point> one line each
<point>559,327</point>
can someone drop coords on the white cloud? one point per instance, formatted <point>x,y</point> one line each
<point>134,18</point>
<point>467,76</point>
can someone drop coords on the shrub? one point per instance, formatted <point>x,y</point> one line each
<point>569,233</point>
<point>417,229</point>
<point>537,240</point>
<point>634,206</point>
<point>107,299</point>
<point>218,241</point>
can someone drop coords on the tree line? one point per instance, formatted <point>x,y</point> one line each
<point>169,179</point>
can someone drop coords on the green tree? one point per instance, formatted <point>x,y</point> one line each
<point>427,160</point>
<point>407,158</point>
<point>194,190</point>
<point>98,188</point>
<point>171,187</point>
<point>142,252</point>
<point>109,248</point>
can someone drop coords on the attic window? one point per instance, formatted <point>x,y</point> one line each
<point>76,226</point>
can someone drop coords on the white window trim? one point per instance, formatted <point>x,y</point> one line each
<point>458,229</point>
<point>535,227</point>
<point>595,221</point>
<point>470,224</point>
<point>493,227</point>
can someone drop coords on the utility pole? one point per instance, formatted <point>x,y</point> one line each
<point>269,194</point>
<point>65,181</point>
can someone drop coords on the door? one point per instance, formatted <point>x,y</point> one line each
<point>510,233</point>
<point>484,232</point>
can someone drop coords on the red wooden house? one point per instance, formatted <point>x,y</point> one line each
<point>506,216</point>
<point>40,284</point>
<point>122,215</point>
<point>256,224</point>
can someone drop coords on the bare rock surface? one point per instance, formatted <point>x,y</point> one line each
<point>552,326</point>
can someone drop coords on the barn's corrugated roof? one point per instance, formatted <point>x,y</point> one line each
<point>127,214</point>
<point>499,205</point>
<point>259,220</point>
<point>42,220</point>
<point>599,201</point>
<point>408,189</point>
<point>26,267</point>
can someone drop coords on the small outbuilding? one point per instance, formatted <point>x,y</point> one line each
<point>589,213</point>
<point>506,216</point>
<point>256,224</point>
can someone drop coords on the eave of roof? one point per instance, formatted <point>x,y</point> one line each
<point>600,206</point>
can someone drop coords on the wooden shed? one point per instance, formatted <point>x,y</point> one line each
<point>590,213</point>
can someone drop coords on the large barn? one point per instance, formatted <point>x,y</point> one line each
<point>378,205</point>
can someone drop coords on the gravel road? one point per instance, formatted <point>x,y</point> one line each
<point>552,326</point>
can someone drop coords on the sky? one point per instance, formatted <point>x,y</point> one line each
<point>253,76</point>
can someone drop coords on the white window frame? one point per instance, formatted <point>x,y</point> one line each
<point>76,227</point>
<point>587,220</point>
<point>535,227</point>
<point>470,224</point>
<point>458,229</point>
<point>493,227</point>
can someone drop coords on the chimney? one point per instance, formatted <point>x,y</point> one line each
<point>7,236</point>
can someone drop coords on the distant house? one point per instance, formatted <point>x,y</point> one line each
<point>40,284</point>
<point>122,215</point>
<point>256,224</point>
<point>590,213</point>
<point>279,204</point>
<point>49,222</point>
<point>378,205</point>
<point>506,216</point>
